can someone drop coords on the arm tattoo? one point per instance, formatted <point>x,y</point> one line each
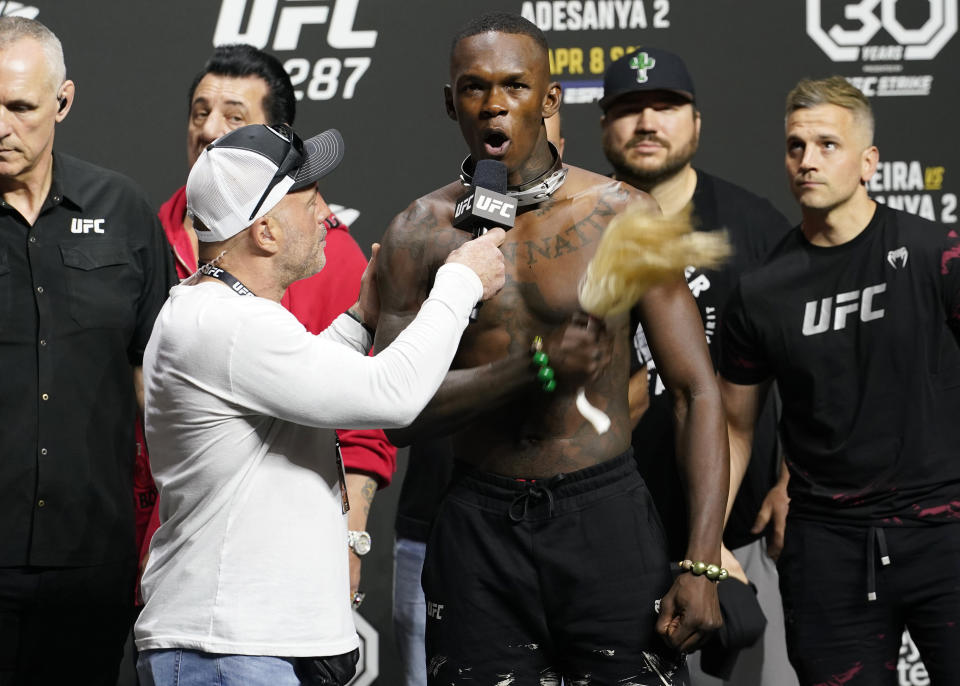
<point>367,492</point>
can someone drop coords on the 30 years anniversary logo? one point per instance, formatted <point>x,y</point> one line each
<point>890,40</point>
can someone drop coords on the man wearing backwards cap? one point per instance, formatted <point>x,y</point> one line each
<point>651,129</point>
<point>247,578</point>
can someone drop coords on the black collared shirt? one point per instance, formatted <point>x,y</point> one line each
<point>79,291</point>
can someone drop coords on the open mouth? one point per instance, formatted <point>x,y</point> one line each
<point>496,143</point>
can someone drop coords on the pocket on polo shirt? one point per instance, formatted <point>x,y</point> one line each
<point>102,285</point>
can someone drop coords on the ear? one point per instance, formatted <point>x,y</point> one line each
<point>448,102</point>
<point>696,123</point>
<point>65,96</point>
<point>868,163</point>
<point>266,235</point>
<point>551,100</point>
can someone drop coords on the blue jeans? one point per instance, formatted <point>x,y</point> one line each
<point>410,610</point>
<point>176,667</point>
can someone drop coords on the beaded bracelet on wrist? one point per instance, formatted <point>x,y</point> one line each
<point>545,373</point>
<point>700,568</point>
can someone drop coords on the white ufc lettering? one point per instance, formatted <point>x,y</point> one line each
<point>485,202</point>
<point>78,225</point>
<point>488,204</point>
<point>817,313</point>
<point>292,18</point>
<point>434,610</point>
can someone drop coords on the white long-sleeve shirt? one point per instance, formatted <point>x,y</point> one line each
<point>251,554</point>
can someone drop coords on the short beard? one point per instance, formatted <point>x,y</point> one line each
<point>645,178</point>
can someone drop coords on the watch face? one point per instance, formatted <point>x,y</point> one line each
<point>361,543</point>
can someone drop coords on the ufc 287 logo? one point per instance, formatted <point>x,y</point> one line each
<point>921,43</point>
<point>284,21</point>
<point>832,313</point>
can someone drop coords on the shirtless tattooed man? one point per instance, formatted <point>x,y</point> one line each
<point>547,559</point>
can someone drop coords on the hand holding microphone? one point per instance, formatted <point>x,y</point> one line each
<point>483,256</point>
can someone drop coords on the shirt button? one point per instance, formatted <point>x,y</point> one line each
<point>45,396</point>
<point>33,239</point>
<point>41,502</point>
<point>39,289</point>
<point>43,342</point>
<point>43,451</point>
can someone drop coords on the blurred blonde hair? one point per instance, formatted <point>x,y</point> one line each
<point>640,250</point>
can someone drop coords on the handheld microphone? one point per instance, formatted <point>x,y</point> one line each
<point>486,205</point>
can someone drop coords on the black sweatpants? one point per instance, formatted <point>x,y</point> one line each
<point>530,581</point>
<point>64,625</point>
<point>835,634</point>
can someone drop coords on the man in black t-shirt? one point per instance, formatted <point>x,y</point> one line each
<point>852,316</point>
<point>651,129</point>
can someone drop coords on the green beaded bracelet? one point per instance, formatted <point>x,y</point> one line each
<point>700,568</point>
<point>545,373</point>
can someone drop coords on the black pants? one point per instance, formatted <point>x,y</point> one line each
<point>836,635</point>
<point>537,580</point>
<point>64,625</point>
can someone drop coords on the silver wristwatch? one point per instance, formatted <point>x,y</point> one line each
<point>359,541</point>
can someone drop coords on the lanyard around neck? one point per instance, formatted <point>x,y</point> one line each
<point>218,273</point>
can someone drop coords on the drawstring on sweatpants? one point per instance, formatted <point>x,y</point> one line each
<point>537,490</point>
<point>875,539</point>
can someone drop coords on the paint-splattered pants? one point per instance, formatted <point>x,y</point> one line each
<point>530,581</point>
<point>836,635</point>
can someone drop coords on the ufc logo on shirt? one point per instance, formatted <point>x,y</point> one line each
<point>835,311</point>
<point>78,225</point>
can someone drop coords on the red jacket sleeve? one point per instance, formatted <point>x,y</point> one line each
<point>368,451</point>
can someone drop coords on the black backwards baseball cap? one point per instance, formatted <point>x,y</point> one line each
<point>646,69</point>
<point>243,175</point>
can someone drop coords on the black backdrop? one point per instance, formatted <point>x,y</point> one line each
<point>375,70</point>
